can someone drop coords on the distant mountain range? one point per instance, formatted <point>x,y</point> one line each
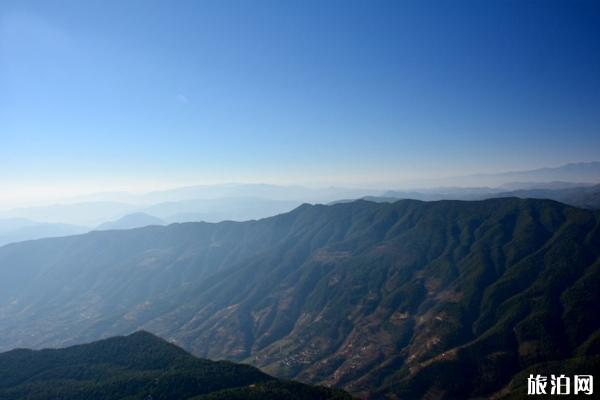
<point>295,193</point>
<point>107,216</point>
<point>582,172</point>
<point>220,209</point>
<point>572,174</point>
<point>388,300</point>
<point>94,214</point>
<point>582,195</point>
<point>21,229</point>
<point>139,366</point>
<point>131,221</point>
<point>241,202</point>
<point>89,214</point>
<point>578,195</point>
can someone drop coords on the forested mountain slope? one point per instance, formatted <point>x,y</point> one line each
<point>139,366</point>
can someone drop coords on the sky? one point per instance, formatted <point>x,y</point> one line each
<point>137,95</point>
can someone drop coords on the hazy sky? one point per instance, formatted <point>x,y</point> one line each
<point>133,94</point>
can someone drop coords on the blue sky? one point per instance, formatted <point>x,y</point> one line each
<point>97,95</point>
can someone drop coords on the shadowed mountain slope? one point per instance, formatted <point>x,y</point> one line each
<point>406,299</point>
<point>138,366</point>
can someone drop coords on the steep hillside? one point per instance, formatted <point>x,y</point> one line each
<point>138,366</point>
<point>410,299</point>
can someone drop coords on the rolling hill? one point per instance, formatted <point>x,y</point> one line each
<point>388,300</point>
<point>139,366</point>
